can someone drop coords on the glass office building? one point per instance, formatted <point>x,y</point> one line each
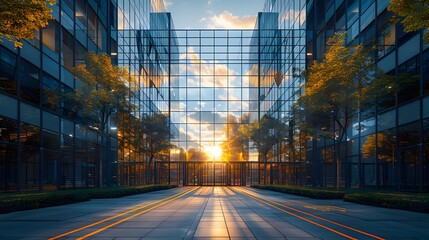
<point>209,82</point>
<point>399,125</point>
<point>45,144</point>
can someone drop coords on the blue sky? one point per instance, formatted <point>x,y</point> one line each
<point>238,14</point>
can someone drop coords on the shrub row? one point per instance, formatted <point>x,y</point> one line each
<point>404,201</point>
<point>305,192</point>
<point>396,201</point>
<point>26,201</point>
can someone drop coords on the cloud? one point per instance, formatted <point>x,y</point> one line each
<point>201,67</point>
<point>168,3</point>
<point>209,2</point>
<point>207,117</point>
<point>229,21</point>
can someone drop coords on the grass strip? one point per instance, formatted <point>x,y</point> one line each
<point>12,202</point>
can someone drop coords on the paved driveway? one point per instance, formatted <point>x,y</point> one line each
<point>214,212</point>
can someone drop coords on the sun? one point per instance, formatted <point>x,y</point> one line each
<point>214,152</point>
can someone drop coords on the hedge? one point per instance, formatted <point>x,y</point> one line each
<point>305,192</point>
<point>405,201</point>
<point>10,202</point>
<point>410,202</point>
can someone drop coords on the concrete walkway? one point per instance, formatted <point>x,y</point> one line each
<point>214,212</point>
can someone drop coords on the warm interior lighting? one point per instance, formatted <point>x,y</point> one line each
<point>214,152</point>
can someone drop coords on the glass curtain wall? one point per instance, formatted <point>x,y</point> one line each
<point>210,93</point>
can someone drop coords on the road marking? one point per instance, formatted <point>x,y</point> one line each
<point>273,203</point>
<point>161,201</point>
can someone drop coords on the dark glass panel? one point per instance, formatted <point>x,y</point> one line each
<point>30,135</point>
<point>51,90</point>
<point>29,84</point>
<point>67,49</point>
<point>51,140</point>
<point>51,36</point>
<point>50,170</point>
<point>67,162</point>
<point>8,71</point>
<point>425,73</point>
<point>412,90</point>
<point>30,168</point>
<point>8,130</point>
<point>409,134</point>
<point>8,167</point>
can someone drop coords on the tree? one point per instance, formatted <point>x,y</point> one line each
<point>342,83</point>
<point>386,145</point>
<point>19,19</point>
<point>195,154</point>
<point>236,145</point>
<point>156,136</point>
<point>333,92</point>
<point>265,133</point>
<point>105,90</point>
<point>414,14</point>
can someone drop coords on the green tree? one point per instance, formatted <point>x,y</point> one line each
<point>385,143</point>
<point>344,81</point>
<point>156,136</point>
<point>414,14</point>
<point>105,90</point>
<point>19,19</point>
<point>265,133</point>
<point>236,146</point>
<point>195,154</point>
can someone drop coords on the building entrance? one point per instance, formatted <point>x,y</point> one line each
<point>209,173</point>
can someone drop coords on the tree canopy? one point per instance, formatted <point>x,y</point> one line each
<point>236,145</point>
<point>344,81</point>
<point>156,135</point>
<point>105,89</point>
<point>414,14</point>
<point>265,133</point>
<point>19,19</point>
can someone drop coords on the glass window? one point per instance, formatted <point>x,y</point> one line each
<point>30,114</point>
<point>426,107</point>
<point>7,71</point>
<point>30,135</point>
<point>387,120</point>
<point>50,36</point>
<point>51,122</point>
<point>8,107</point>
<point>51,140</point>
<point>409,134</point>
<point>426,130</point>
<point>67,49</point>
<point>8,167</point>
<point>425,74</point>
<point>29,85</point>
<point>81,16</point>
<point>352,12</point>
<point>368,16</point>
<point>409,112</point>
<point>8,130</point>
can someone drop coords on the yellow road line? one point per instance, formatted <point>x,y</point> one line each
<point>311,215</point>
<point>132,216</point>
<point>120,214</point>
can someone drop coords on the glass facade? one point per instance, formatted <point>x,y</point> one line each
<point>386,144</point>
<point>209,82</point>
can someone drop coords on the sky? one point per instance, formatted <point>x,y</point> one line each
<point>230,14</point>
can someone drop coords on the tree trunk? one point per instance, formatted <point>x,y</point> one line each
<point>148,170</point>
<point>337,156</point>
<point>100,161</point>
